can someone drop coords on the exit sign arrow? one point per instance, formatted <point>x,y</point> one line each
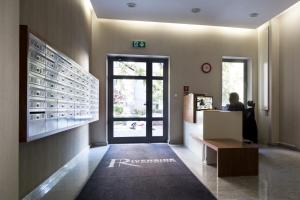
<point>138,44</point>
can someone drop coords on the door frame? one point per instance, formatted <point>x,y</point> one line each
<point>149,138</point>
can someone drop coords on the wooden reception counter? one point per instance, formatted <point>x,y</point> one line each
<point>212,124</point>
<point>215,137</point>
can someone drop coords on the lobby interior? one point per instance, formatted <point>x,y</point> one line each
<point>181,35</point>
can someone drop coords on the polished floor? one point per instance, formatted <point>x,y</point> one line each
<point>279,176</point>
<point>71,184</point>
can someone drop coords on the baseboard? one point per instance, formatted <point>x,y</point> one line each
<point>288,146</point>
<point>272,144</point>
<point>99,144</point>
<point>50,182</point>
<point>175,142</point>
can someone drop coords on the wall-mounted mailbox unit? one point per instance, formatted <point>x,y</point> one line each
<point>56,94</point>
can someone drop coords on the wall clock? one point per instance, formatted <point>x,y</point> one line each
<point>206,68</point>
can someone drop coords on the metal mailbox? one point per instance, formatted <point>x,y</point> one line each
<point>35,57</point>
<point>37,123</point>
<point>32,79</point>
<point>36,104</point>
<point>37,44</point>
<point>51,105</point>
<point>50,54</point>
<point>51,65</point>
<point>51,121</point>
<point>36,69</point>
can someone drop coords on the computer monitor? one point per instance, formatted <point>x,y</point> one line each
<point>204,103</point>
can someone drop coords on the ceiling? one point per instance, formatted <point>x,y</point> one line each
<point>232,13</point>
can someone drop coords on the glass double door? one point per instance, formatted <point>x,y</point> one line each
<point>137,99</point>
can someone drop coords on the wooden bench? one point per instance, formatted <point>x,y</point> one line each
<point>234,158</point>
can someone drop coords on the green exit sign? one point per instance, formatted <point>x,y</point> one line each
<point>138,44</point>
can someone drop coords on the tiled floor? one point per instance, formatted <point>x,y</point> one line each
<point>279,177</point>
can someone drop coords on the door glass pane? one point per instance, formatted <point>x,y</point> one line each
<point>157,98</point>
<point>129,129</point>
<point>157,69</point>
<point>129,68</point>
<point>232,80</point>
<point>129,98</point>
<point>157,128</point>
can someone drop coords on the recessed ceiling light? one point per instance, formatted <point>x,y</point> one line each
<point>253,14</point>
<point>195,10</point>
<point>131,4</point>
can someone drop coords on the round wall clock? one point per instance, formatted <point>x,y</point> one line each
<point>206,67</point>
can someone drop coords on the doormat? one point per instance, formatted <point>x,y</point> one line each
<point>143,172</point>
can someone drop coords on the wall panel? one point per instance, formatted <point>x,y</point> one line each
<point>289,82</point>
<point>9,93</point>
<point>66,25</point>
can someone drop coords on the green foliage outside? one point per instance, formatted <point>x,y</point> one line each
<point>118,109</point>
<point>122,93</point>
<point>139,112</point>
<point>232,81</point>
<point>157,93</point>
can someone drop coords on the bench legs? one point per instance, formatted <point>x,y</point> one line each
<point>210,155</point>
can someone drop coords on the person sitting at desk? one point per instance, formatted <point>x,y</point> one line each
<point>249,123</point>
<point>235,104</point>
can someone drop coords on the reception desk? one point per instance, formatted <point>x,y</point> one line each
<point>215,124</point>
<point>211,124</point>
<point>216,137</point>
<point>208,124</point>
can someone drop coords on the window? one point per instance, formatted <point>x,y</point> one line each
<point>234,79</point>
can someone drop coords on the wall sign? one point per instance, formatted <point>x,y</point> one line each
<point>138,44</point>
<point>206,68</point>
<point>186,90</point>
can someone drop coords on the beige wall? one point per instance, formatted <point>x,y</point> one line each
<point>98,129</point>
<point>67,26</point>
<point>274,77</point>
<point>9,104</point>
<point>188,47</point>
<point>289,59</point>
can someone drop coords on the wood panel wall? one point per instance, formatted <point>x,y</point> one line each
<point>189,108</point>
